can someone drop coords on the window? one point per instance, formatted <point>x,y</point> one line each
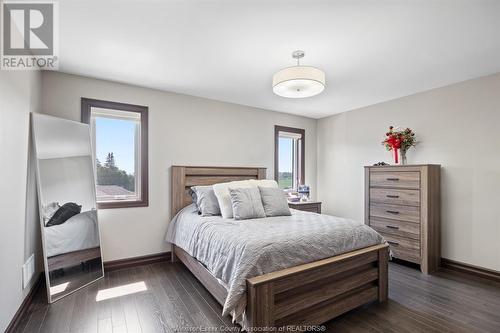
<point>289,153</point>
<point>119,134</point>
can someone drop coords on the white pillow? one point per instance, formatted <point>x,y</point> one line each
<point>263,183</point>
<point>221,191</point>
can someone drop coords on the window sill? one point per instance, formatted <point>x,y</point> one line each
<point>122,204</point>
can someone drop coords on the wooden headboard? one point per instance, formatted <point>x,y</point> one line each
<point>183,177</point>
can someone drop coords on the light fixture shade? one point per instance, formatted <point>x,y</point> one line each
<point>299,82</point>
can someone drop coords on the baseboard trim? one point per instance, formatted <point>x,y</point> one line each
<point>136,261</point>
<point>25,304</point>
<point>470,269</point>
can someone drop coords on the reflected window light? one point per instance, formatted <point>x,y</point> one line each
<point>58,288</point>
<point>126,289</point>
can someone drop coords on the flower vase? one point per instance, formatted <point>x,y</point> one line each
<point>402,160</point>
<point>395,155</point>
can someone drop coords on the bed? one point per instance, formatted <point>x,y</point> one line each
<point>306,293</point>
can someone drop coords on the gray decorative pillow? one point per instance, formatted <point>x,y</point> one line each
<point>274,201</point>
<point>192,194</point>
<point>206,200</point>
<point>246,203</point>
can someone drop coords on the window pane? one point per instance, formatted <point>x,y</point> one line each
<point>286,163</point>
<point>116,156</point>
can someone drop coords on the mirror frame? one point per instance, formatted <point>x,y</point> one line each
<point>51,299</point>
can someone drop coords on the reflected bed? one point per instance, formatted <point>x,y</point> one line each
<point>79,232</point>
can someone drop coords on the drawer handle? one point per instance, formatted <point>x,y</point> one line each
<point>393,179</point>
<point>392,227</point>
<point>393,243</point>
<point>392,196</point>
<point>392,211</point>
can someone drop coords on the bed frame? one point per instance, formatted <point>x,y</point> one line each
<point>308,294</point>
<point>73,258</point>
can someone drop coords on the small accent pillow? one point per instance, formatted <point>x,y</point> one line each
<point>274,201</point>
<point>206,201</point>
<point>66,211</point>
<point>222,193</point>
<point>246,203</point>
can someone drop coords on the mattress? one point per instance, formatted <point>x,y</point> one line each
<point>80,232</point>
<point>234,251</point>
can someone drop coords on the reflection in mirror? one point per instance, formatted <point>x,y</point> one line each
<point>67,204</point>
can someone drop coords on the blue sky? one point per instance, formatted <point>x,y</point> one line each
<point>116,136</point>
<point>285,154</point>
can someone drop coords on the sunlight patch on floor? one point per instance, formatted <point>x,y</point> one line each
<point>119,291</point>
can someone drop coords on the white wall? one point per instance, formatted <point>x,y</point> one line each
<point>20,230</point>
<point>458,127</point>
<point>68,179</point>
<point>183,130</point>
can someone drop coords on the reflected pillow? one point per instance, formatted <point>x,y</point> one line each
<point>206,201</point>
<point>274,201</point>
<point>64,213</point>
<point>89,216</point>
<point>246,203</point>
<point>49,210</point>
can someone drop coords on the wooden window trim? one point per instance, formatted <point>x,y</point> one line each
<point>87,104</point>
<point>302,132</point>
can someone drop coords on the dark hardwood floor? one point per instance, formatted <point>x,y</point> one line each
<point>444,302</point>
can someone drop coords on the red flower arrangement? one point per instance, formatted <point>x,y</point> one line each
<point>399,139</point>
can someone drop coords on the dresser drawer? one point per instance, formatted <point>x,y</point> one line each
<point>313,207</point>
<point>395,179</point>
<point>403,248</point>
<point>396,228</point>
<point>395,212</point>
<point>406,254</point>
<point>395,196</point>
<point>401,242</point>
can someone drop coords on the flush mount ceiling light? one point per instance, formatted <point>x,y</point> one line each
<point>298,81</point>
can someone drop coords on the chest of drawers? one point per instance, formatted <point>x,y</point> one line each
<point>402,203</point>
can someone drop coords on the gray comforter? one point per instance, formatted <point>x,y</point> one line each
<point>236,250</point>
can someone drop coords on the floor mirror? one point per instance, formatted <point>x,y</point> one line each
<point>67,204</point>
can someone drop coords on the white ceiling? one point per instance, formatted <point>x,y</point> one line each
<point>371,51</point>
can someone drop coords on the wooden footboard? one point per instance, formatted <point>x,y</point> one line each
<point>314,293</point>
<point>309,294</point>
